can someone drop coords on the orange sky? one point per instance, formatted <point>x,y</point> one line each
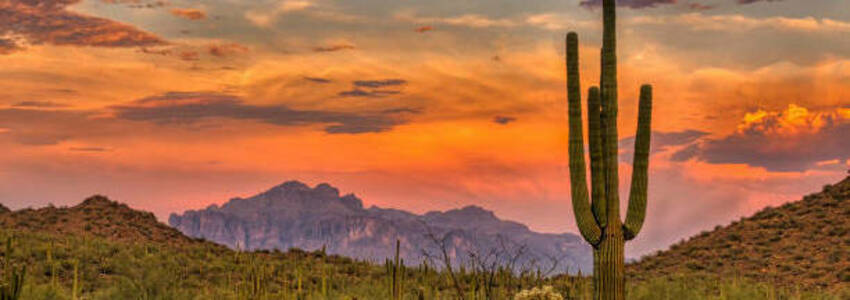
<point>174,105</point>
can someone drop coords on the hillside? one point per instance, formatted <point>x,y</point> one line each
<point>294,215</point>
<point>801,243</point>
<point>96,216</point>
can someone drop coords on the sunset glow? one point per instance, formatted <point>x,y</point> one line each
<point>423,105</point>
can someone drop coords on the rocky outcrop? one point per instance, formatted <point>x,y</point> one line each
<point>293,215</point>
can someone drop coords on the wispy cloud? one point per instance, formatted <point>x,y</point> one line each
<point>754,1</point>
<point>424,29</point>
<point>193,14</point>
<point>635,4</point>
<point>700,6</point>
<point>39,104</point>
<point>467,20</point>
<point>373,88</point>
<point>368,93</point>
<point>547,21</point>
<point>190,55</point>
<point>317,79</point>
<point>503,120</point>
<point>264,18</point>
<point>334,48</point>
<point>379,83</point>
<point>226,49</point>
<point>90,149</point>
<point>662,141</point>
<point>699,21</point>
<point>139,3</point>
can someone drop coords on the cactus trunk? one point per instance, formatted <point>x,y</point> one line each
<point>598,218</point>
<point>610,282</point>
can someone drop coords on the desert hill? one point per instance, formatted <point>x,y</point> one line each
<point>806,242</point>
<point>96,216</point>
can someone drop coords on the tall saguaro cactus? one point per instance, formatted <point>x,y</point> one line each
<point>599,218</point>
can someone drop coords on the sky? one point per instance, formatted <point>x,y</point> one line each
<point>170,105</point>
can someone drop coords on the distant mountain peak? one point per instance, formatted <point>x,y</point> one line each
<point>469,209</point>
<point>295,215</point>
<point>323,190</point>
<point>292,185</point>
<point>324,187</point>
<point>473,210</point>
<point>290,197</point>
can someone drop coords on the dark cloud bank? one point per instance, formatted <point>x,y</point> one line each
<point>794,154</point>
<point>778,142</point>
<point>756,146</point>
<point>31,124</point>
<point>190,107</point>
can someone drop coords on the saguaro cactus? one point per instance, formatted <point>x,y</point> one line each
<point>599,218</point>
<point>13,278</point>
<point>395,272</point>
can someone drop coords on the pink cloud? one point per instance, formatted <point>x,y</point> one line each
<point>189,13</point>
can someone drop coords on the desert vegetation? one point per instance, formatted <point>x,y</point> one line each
<point>88,267</point>
<point>102,249</point>
<point>105,250</point>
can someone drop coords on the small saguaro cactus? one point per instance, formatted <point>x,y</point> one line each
<point>395,271</point>
<point>599,218</point>
<point>75,288</point>
<point>13,277</point>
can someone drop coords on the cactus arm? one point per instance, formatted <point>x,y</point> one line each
<point>597,168</point>
<point>609,111</point>
<point>578,179</point>
<point>637,195</point>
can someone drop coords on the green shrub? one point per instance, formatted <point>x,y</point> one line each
<point>539,293</point>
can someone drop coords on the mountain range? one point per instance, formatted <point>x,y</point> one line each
<point>294,215</point>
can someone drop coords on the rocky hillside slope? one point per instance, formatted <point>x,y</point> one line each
<point>97,216</point>
<point>293,215</point>
<point>800,243</point>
